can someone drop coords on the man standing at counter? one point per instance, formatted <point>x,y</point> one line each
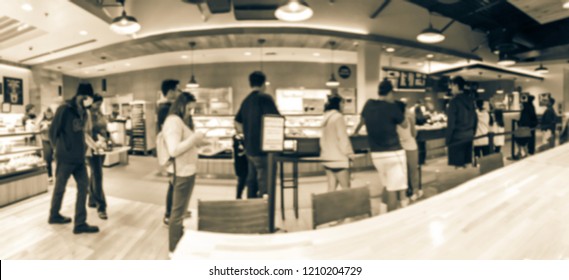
<point>461,126</point>
<point>248,121</point>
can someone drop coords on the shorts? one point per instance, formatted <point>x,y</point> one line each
<point>392,169</point>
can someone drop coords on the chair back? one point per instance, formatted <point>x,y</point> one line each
<point>337,205</point>
<point>490,163</point>
<point>234,216</point>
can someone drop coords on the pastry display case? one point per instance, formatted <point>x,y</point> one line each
<point>22,169</point>
<point>309,126</point>
<point>219,131</point>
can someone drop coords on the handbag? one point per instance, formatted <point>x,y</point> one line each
<point>522,132</point>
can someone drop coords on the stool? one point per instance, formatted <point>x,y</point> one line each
<point>289,183</point>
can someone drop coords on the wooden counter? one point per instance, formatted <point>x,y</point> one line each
<point>518,212</point>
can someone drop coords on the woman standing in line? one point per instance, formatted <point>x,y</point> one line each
<point>182,142</point>
<point>407,137</point>
<point>523,134</point>
<point>498,128</point>
<point>44,125</point>
<point>481,145</point>
<point>335,146</point>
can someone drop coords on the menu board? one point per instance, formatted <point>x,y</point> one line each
<point>301,101</point>
<point>272,133</point>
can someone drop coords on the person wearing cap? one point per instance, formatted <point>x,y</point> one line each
<point>381,117</point>
<point>67,135</point>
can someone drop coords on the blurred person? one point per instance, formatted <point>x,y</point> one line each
<point>527,122</point>
<point>170,91</point>
<point>549,123</point>
<point>407,139</point>
<point>248,121</point>
<point>335,146</point>
<point>498,128</point>
<point>461,125</point>
<point>240,164</point>
<point>381,117</point>
<point>44,125</point>
<point>182,142</point>
<point>483,127</point>
<point>531,142</point>
<point>67,135</point>
<point>99,135</point>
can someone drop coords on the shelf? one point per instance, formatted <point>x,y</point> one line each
<point>22,171</point>
<point>15,134</point>
<point>21,150</point>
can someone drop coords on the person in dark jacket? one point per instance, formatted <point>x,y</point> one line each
<point>461,126</point>
<point>528,121</point>
<point>240,163</point>
<point>99,134</point>
<point>531,143</point>
<point>170,91</point>
<point>67,134</point>
<point>549,121</point>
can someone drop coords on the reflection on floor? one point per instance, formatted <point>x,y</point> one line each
<point>136,196</point>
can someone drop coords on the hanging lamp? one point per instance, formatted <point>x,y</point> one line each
<point>294,10</point>
<point>506,60</point>
<point>332,82</point>
<point>192,83</point>
<point>430,35</point>
<point>125,24</point>
<point>541,69</point>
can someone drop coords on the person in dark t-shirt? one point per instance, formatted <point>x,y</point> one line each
<point>248,121</point>
<point>381,117</point>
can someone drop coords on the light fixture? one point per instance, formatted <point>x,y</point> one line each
<point>430,55</point>
<point>332,82</point>
<point>566,4</point>
<point>125,24</point>
<point>500,91</point>
<point>541,69</point>
<point>192,83</point>
<point>506,60</point>
<point>390,50</point>
<point>248,53</point>
<point>430,35</point>
<point>27,7</point>
<point>184,57</point>
<point>294,10</point>
<point>127,64</point>
<point>83,33</point>
<point>316,54</point>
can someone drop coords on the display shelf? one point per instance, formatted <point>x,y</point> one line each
<point>21,171</point>
<point>21,150</point>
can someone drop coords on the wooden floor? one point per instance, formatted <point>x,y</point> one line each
<point>518,212</point>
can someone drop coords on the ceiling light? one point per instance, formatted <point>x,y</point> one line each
<point>127,64</point>
<point>125,24</point>
<point>541,69</point>
<point>248,53</point>
<point>316,54</point>
<point>193,83</point>
<point>22,26</point>
<point>430,55</point>
<point>332,82</point>
<point>184,57</point>
<point>480,90</point>
<point>27,7</point>
<point>390,50</point>
<point>419,63</point>
<point>294,10</point>
<point>500,91</point>
<point>566,4</point>
<point>506,60</point>
<point>431,35</point>
<point>83,33</point>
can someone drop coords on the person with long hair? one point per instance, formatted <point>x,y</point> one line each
<point>407,138</point>
<point>182,142</point>
<point>335,146</point>
<point>483,127</point>
<point>527,122</point>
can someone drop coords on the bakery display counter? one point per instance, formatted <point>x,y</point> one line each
<point>505,214</point>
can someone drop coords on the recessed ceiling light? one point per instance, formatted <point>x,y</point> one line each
<point>248,53</point>
<point>127,64</point>
<point>27,7</point>
<point>83,33</point>
<point>430,55</point>
<point>390,49</point>
<point>316,54</point>
<point>184,57</point>
<point>419,63</point>
<point>566,4</point>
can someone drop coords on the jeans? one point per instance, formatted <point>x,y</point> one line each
<point>48,157</point>
<point>183,187</point>
<point>257,176</point>
<point>62,173</point>
<point>241,183</point>
<point>96,193</point>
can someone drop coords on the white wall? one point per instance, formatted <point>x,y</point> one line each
<point>20,73</point>
<point>553,83</point>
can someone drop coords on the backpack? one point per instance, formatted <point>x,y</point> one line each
<point>164,158</point>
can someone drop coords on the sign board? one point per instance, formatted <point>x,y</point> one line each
<point>272,133</point>
<point>344,72</point>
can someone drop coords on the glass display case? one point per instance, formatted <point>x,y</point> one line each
<point>308,126</point>
<point>219,131</point>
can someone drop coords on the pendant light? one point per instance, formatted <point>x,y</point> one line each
<point>506,60</point>
<point>294,10</point>
<point>125,24</point>
<point>430,35</point>
<point>332,82</point>
<point>566,4</point>
<point>541,69</point>
<point>192,83</point>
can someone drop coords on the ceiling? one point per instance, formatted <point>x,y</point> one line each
<point>527,29</point>
<point>73,36</point>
